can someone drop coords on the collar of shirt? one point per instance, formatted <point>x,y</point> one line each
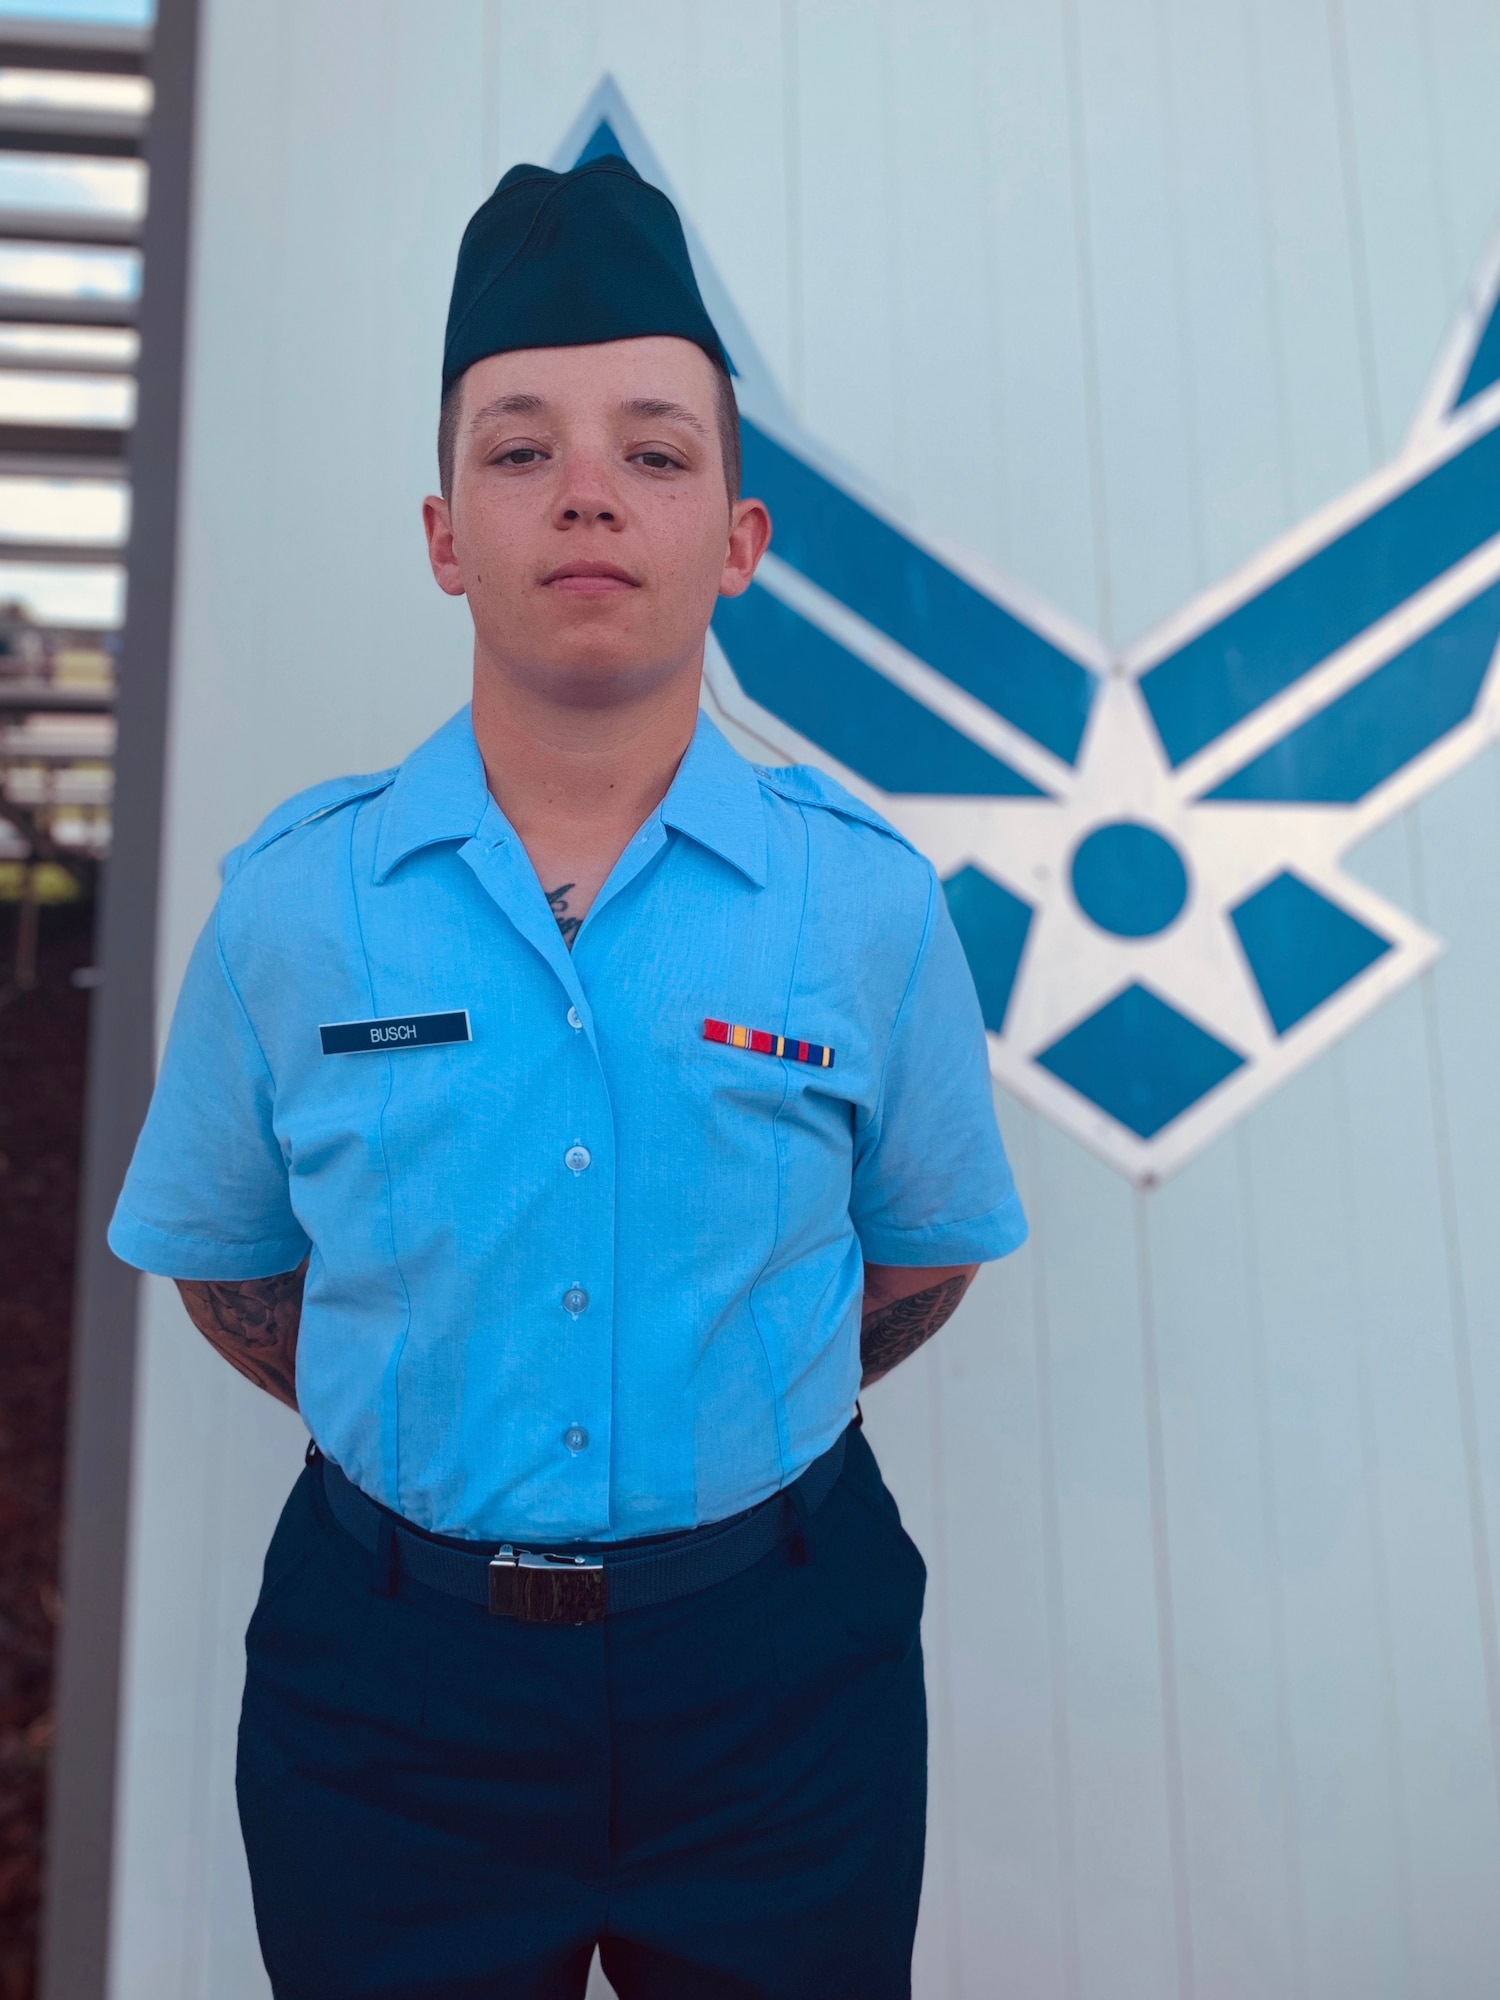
<point>440,793</point>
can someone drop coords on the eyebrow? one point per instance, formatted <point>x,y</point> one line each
<point>675,413</point>
<point>522,404</point>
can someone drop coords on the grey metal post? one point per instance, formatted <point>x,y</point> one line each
<point>80,1836</point>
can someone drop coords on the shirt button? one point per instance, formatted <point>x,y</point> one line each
<point>576,1438</point>
<point>575,1300</point>
<point>577,1159</point>
<point>575,1020</point>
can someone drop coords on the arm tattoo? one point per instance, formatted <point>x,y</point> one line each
<point>557,901</point>
<point>890,1333</point>
<point>253,1323</point>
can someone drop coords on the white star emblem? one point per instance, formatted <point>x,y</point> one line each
<point>1195,962</point>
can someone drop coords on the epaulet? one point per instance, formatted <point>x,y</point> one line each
<point>317,802</point>
<point>805,785</point>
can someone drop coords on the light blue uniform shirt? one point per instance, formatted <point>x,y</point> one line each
<point>459,1201</point>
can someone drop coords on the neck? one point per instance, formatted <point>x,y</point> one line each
<point>593,772</point>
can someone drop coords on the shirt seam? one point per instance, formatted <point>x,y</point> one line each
<point>774,778</point>
<point>778,1387</point>
<point>390,1189</point>
<point>878,1119</point>
<point>235,995</point>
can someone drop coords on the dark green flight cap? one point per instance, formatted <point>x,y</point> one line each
<point>564,260</point>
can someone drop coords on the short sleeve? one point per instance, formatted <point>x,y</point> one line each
<point>207,1195</point>
<point>932,1184</point>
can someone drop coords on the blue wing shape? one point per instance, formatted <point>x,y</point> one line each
<point>1484,369</point>
<point>1276,636</point>
<point>1373,730</point>
<point>902,590</point>
<point>848,709</point>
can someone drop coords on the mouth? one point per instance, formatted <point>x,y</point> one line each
<point>589,579</point>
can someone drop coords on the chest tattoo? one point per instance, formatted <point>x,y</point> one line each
<point>557,902</point>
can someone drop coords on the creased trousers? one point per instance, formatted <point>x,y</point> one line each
<point>726,1794</point>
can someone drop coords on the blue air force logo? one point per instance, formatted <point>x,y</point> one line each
<point>1142,854</point>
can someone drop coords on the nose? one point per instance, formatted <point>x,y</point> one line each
<point>588,496</point>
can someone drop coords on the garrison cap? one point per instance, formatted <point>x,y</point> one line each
<point>564,260</point>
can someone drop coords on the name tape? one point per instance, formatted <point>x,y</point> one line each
<point>401,1031</point>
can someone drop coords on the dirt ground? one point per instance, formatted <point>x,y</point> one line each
<point>42,1049</point>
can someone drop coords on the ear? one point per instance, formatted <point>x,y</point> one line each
<point>437,523</point>
<point>749,537</point>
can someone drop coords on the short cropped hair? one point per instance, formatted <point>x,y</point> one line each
<point>726,410</point>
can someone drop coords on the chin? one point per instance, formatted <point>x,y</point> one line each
<point>601,677</point>
<point>593,661</point>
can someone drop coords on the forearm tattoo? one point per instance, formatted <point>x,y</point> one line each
<point>557,902</point>
<point>253,1323</point>
<point>890,1333</point>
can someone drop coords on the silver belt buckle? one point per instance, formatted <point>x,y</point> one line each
<point>547,1590</point>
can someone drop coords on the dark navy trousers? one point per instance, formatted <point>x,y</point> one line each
<point>725,1793</point>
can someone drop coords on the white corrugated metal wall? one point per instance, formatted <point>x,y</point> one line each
<point>1110,291</point>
